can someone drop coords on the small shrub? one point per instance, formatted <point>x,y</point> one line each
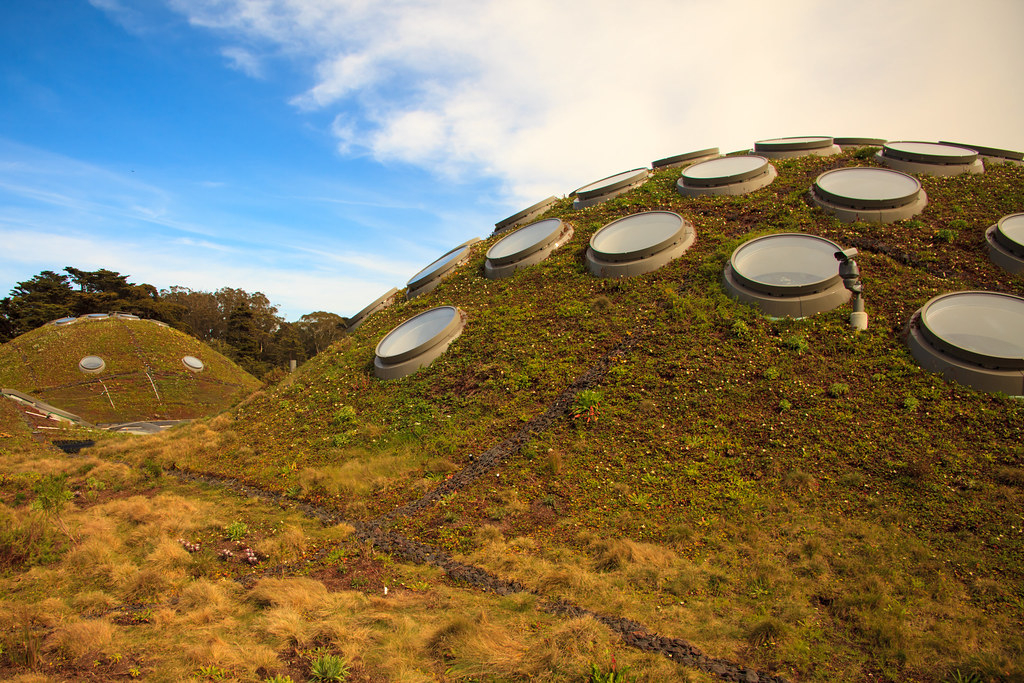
<point>151,469</point>
<point>52,494</point>
<point>945,235</point>
<point>838,389</point>
<point>784,405</point>
<point>328,668</point>
<point>587,405</point>
<point>614,674</point>
<point>766,632</point>
<point>910,403</point>
<point>796,343</point>
<point>236,531</point>
<point>740,330</point>
<point>278,678</point>
<point>958,224</point>
<point>771,373</point>
<point>211,672</point>
<point>345,417</point>
<point>914,223</point>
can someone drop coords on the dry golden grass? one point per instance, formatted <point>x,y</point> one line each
<point>81,637</point>
<point>286,546</point>
<point>298,593</point>
<point>361,472</point>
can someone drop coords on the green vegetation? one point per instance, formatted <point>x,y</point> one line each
<point>788,495</point>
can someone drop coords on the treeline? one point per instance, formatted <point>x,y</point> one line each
<point>244,326</point>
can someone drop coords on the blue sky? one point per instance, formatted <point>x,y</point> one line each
<point>323,151</point>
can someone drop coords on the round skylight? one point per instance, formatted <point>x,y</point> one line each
<point>428,278</point>
<point>640,243</point>
<point>975,338</point>
<point>380,303</point>
<point>607,188</point>
<point>417,342</point>
<point>92,365</point>
<point>859,142</point>
<point>193,363</point>
<point>684,159</point>
<point>525,247</point>
<point>96,316</point>
<point>785,148</point>
<point>726,176</point>
<point>1006,242</point>
<point>787,274</point>
<point>869,194</point>
<point>526,215</point>
<point>994,152</point>
<point>65,321</point>
<point>126,316</point>
<point>930,157</point>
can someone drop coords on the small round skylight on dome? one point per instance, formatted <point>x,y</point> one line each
<point>608,188</point>
<point>726,176</point>
<point>932,158</point>
<point>96,316</point>
<point>378,304</point>
<point>417,342</point>
<point>525,247</point>
<point>1006,243</point>
<point>92,365</point>
<point>431,276</point>
<point>60,322</point>
<point>877,195</point>
<point>686,159</point>
<point>525,216</point>
<point>638,244</point>
<point>787,274</point>
<point>193,363</point>
<point>126,316</point>
<point>974,338</point>
<point>788,148</point>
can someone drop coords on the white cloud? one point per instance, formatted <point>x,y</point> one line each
<point>243,60</point>
<point>549,96</point>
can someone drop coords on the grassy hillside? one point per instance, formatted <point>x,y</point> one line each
<point>786,496</point>
<point>144,376</point>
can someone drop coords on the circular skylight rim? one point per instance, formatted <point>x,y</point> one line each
<point>689,180</point>
<point>794,144</point>
<point>1014,246</point>
<point>534,209</point>
<point>964,156</point>
<point>548,237</point>
<point>683,158</point>
<point>941,343</point>
<point>96,316</point>
<point>785,290</point>
<point>370,308</point>
<point>193,363</point>
<point>443,334</point>
<point>850,202</point>
<point>60,322</point>
<point>439,267</point>
<point>600,188</point>
<point>859,142</point>
<point>1013,155</point>
<point>684,229</point>
<point>92,365</point>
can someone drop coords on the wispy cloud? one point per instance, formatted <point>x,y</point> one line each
<point>243,60</point>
